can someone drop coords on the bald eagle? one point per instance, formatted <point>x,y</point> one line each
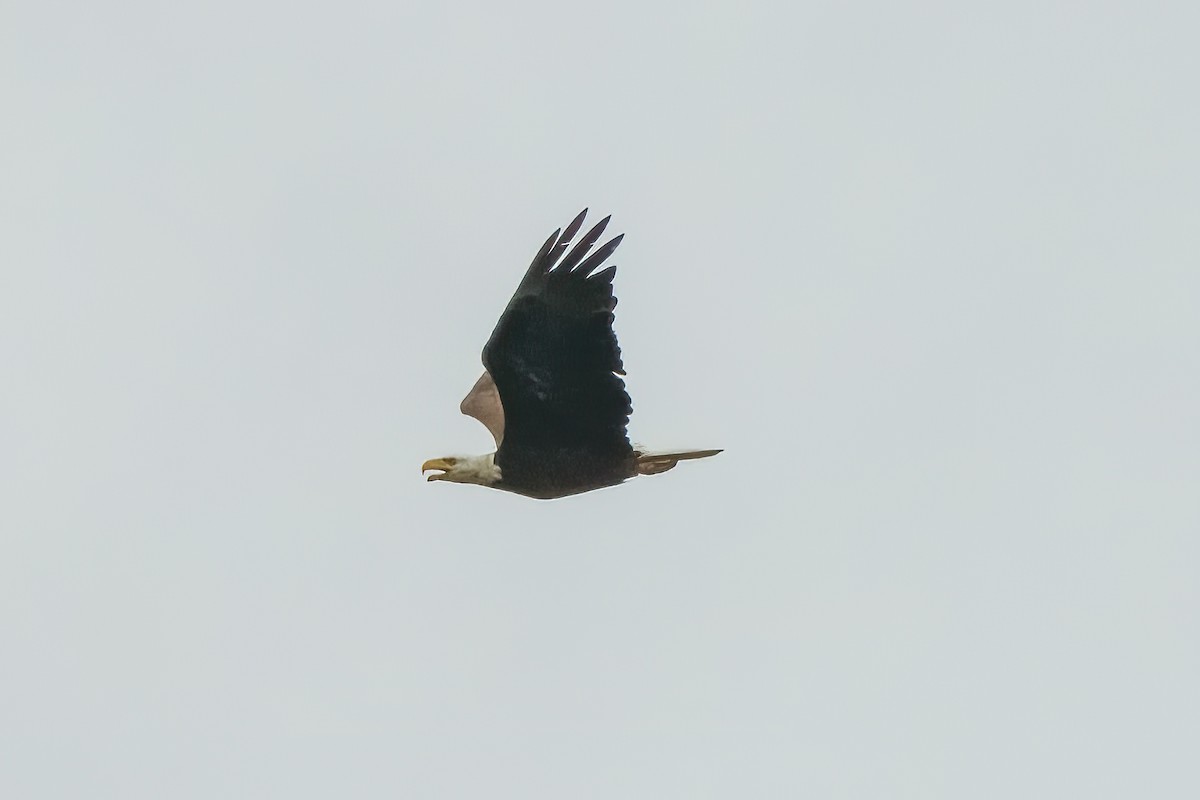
<point>551,392</point>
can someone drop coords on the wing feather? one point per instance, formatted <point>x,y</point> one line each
<point>554,360</point>
<point>585,244</point>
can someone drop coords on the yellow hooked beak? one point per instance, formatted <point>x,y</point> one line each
<point>443,464</point>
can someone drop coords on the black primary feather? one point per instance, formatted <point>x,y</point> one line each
<point>556,364</point>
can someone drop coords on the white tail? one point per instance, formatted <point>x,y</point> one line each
<point>654,463</point>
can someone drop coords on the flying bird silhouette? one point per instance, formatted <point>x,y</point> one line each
<point>551,392</point>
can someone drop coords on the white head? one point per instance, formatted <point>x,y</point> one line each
<point>464,469</point>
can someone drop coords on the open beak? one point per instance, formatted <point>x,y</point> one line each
<point>438,464</point>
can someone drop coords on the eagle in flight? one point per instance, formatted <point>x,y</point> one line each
<point>551,392</point>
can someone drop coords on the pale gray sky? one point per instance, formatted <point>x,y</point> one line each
<point>928,271</point>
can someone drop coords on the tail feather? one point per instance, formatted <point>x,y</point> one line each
<point>654,463</point>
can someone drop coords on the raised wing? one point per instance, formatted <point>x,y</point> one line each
<point>483,403</point>
<point>554,357</point>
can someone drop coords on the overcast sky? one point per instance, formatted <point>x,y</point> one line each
<point>927,271</point>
